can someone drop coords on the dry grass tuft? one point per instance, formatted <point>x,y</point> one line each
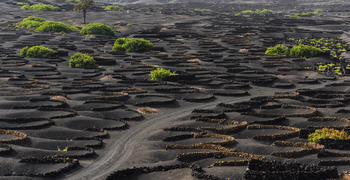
<point>194,60</point>
<point>243,50</point>
<point>107,78</point>
<point>147,110</point>
<point>59,98</point>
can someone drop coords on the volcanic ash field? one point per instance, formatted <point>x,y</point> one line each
<point>203,92</point>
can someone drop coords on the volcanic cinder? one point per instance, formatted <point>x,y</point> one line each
<point>231,112</point>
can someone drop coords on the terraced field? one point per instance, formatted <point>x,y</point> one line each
<point>231,112</point>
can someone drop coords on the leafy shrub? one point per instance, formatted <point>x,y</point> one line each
<point>202,10</point>
<point>263,11</point>
<point>54,26</point>
<point>279,49</point>
<point>97,28</point>
<point>80,60</point>
<point>40,7</point>
<point>327,133</point>
<point>330,46</point>
<point>132,45</point>
<point>304,51</point>
<point>114,8</point>
<point>307,14</point>
<point>160,73</point>
<point>42,25</point>
<point>330,67</point>
<point>247,13</point>
<point>31,22</point>
<point>318,11</point>
<point>37,52</point>
<point>22,3</point>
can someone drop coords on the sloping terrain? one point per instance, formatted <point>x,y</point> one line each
<point>231,106</point>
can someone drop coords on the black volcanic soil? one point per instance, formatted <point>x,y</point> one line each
<point>229,105</point>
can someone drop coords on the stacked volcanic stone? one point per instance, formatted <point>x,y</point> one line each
<point>143,170</point>
<point>335,144</point>
<point>275,170</point>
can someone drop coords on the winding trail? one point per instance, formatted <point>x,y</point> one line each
<point>119,152</point>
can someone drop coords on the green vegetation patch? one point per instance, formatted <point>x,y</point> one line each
<point>248,13</point>
<point>300,50</point>
<point>330,67</point>
<point>114,8</point>
<point>55,26</point>
<point>42,25</point>
<point>97,28</point>
<point>37,52</point>
<point>80,60</point>
<point>327,133</point>
<point>132,45</point>
<point>318,11</point>
<point>321,67</point>
<point>278,50</point>
<point>304,51</point>
<point>310,47</point>
<point>22,3</point>
<point>40,7</point>
<point>31,22</point>
<point>202,10</point>
<point>160,73</point>
<point>330,46</point>
<point>307,14</point>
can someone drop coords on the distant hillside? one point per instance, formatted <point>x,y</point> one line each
<point>200,1</point>
<point>179,1</point>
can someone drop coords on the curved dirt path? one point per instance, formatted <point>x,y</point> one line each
<point>119,152</point>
